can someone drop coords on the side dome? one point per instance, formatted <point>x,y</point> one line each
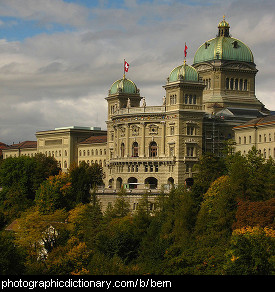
<point>223,47</point>
<point>185,73</point>
<point>123,86</point>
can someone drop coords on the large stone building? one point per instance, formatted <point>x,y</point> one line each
<point>155,147</point>
<point>259,133</point>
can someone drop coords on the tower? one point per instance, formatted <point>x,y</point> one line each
<point>185,115</point>
<point>226,66</point>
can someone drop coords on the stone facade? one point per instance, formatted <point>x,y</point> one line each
<point>259,133</point>
<point>151,148</point>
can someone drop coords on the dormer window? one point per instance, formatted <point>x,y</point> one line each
<point>235,44</point>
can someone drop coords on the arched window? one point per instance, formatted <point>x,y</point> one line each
<point>135,149</point>
<point>153,149</point>
<point>65,164</point>
<point>190,99</point>
<point>194,99</point>
<point>80,153</point>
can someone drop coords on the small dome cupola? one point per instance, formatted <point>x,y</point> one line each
<point>223,28</point>
<point>184,73</point>
<point>124,85</point>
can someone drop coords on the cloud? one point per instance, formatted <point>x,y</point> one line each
<point>45,12</point>
<point>62,78</point>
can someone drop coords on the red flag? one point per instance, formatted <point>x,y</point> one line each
<point>185,51</point>
<point>126,66</point>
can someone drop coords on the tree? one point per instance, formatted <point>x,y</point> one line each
<point>85,222</point>
<point>252,175</point>
<point>252,252</point>
<point>38,234</point>
<point>11,257</point>
<point>214,226</point>
<point>119,238</point>
<point>20,177</point>
<point>120,209</point>
<point>207,170</point>
<point>55,193</point>
<point>45,166</point>
<point>70,259</point>
<point>260,213</point>
<point>83,178</point>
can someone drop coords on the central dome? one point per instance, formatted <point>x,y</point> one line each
<point>223,47</point>
<point>185,73</point>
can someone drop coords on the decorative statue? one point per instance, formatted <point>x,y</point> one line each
<point>143,102</point>
<point>128,103</point>
<point>164,100</point>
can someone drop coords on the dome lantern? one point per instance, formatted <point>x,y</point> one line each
<point>223,28</point>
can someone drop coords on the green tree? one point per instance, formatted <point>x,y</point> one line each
<point>119,238</point>
<point>207,170</point>
<point>20,177</point>
<point>83,178</point>
<point>214,226</point>
<point>252,175</point>
<point>252,252</point>
<point>38,234</point>
<point>11,257</point>
<point>55,193</point>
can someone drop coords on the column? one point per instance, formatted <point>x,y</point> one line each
<point>162,150</point>
<point>127,141</point>
<point>142,146</point>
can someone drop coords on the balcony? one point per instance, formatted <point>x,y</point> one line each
<point>170,159</point>
<point>136,110</point>
<point>191,159</point>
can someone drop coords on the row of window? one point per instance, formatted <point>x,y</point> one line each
<point>153,149</point>
<point>100,162</point>
<point>137,168</point>
<point>95,152</point>
<point>236,84</point>
<point>262,138</point>
<point>56,153</point>
<point>188,99</point>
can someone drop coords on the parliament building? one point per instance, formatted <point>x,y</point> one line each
<point>155,147</point>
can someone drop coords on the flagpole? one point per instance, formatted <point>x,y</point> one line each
<point>124,69</point>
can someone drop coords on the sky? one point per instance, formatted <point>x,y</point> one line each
<point>59,58</point>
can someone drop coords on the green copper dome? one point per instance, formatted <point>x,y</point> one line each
<point>123,85</point>
<point>223,47</point>
<point>185,73</point>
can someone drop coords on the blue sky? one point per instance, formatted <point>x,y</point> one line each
<point>58,58</point>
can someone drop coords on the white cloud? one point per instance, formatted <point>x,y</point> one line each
<point>62,79</point>
<point>45,11</point>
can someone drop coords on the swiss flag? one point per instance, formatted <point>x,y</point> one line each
<point>185,50</point>
<point>126,66</point>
